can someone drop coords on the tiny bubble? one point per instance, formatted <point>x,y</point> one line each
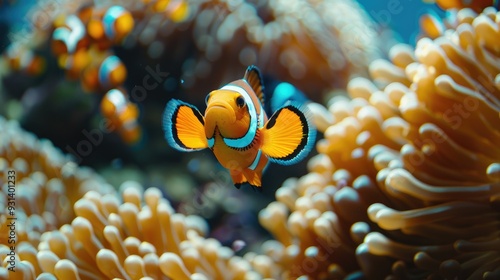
<point>117,163</point>
<point>193,165</point>
<point>182,81</point>
<point>238,245</point>
<point>170,84</point>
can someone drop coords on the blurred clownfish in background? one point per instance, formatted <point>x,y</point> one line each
<point>236,128</point>
<point>81,44</point>
<point>477,5</point>
<point>69,36</point>
<point>22,59</point>
<point>177,10</point>
<point>123,115</point>
<point>113,26</point>
<point>103,73</point>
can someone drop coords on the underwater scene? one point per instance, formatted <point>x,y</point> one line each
<point>249,139</point>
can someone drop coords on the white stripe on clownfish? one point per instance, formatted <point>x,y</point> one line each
<point>256,160</point>
<point>24,55</point>
<point>109,19</point>
<point>261,116</point>
<point>118,99</point>
<point>70,35</point>
<point>247,139</point>
<point>108,65</point>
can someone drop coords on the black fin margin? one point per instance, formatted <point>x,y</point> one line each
<point>254,188</point>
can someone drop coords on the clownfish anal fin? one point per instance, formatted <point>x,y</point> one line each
<point>184,125</point>
<point>253,178</point>
<point>238,178</point>
<point>288,135</point>
<point>254,79</point>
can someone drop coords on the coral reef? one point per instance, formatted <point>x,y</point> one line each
<point>406,183</point>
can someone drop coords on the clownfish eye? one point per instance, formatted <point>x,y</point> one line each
<point>240,101</point>
<point>207,98</point>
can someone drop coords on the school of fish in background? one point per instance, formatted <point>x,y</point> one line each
<point>102,72</point>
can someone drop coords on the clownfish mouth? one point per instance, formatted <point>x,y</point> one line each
<point>219,108</point>
<point>219,105</point>
<point>218,114</point>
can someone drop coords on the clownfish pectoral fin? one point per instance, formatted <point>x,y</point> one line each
<point>254,79</point>
<point>288,135</point>
<point>184,125</point>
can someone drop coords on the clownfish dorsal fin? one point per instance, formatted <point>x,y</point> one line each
<point>254,79</point>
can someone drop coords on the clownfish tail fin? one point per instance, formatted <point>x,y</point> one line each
<point>288,135</point>
<point>183,126</point>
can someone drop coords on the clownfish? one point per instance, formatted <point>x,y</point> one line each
<point>112,72</point>
<point>122,114</point>
<point>238,131</point>
<point>103,72</point>
<point>477,5</point>
<point>23,59</point>
<point>69,37</point>
<point>177,10</point>
<point>432,24</point>
<point>114,25</point>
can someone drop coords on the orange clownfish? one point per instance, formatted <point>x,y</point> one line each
<point>122,114</point>
<point>23,59</point>
<point>105,74</point>
<point>114,25</point>
<point>236,128</point>
<point>69,37</point>
<point>477,5</point>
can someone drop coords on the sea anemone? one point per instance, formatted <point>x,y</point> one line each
<point>405,185</point>
<point>407,179</point>
<point>70,224</point>
<point>140,236</point>
<point>42,182</point>
<point>316,45</point>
